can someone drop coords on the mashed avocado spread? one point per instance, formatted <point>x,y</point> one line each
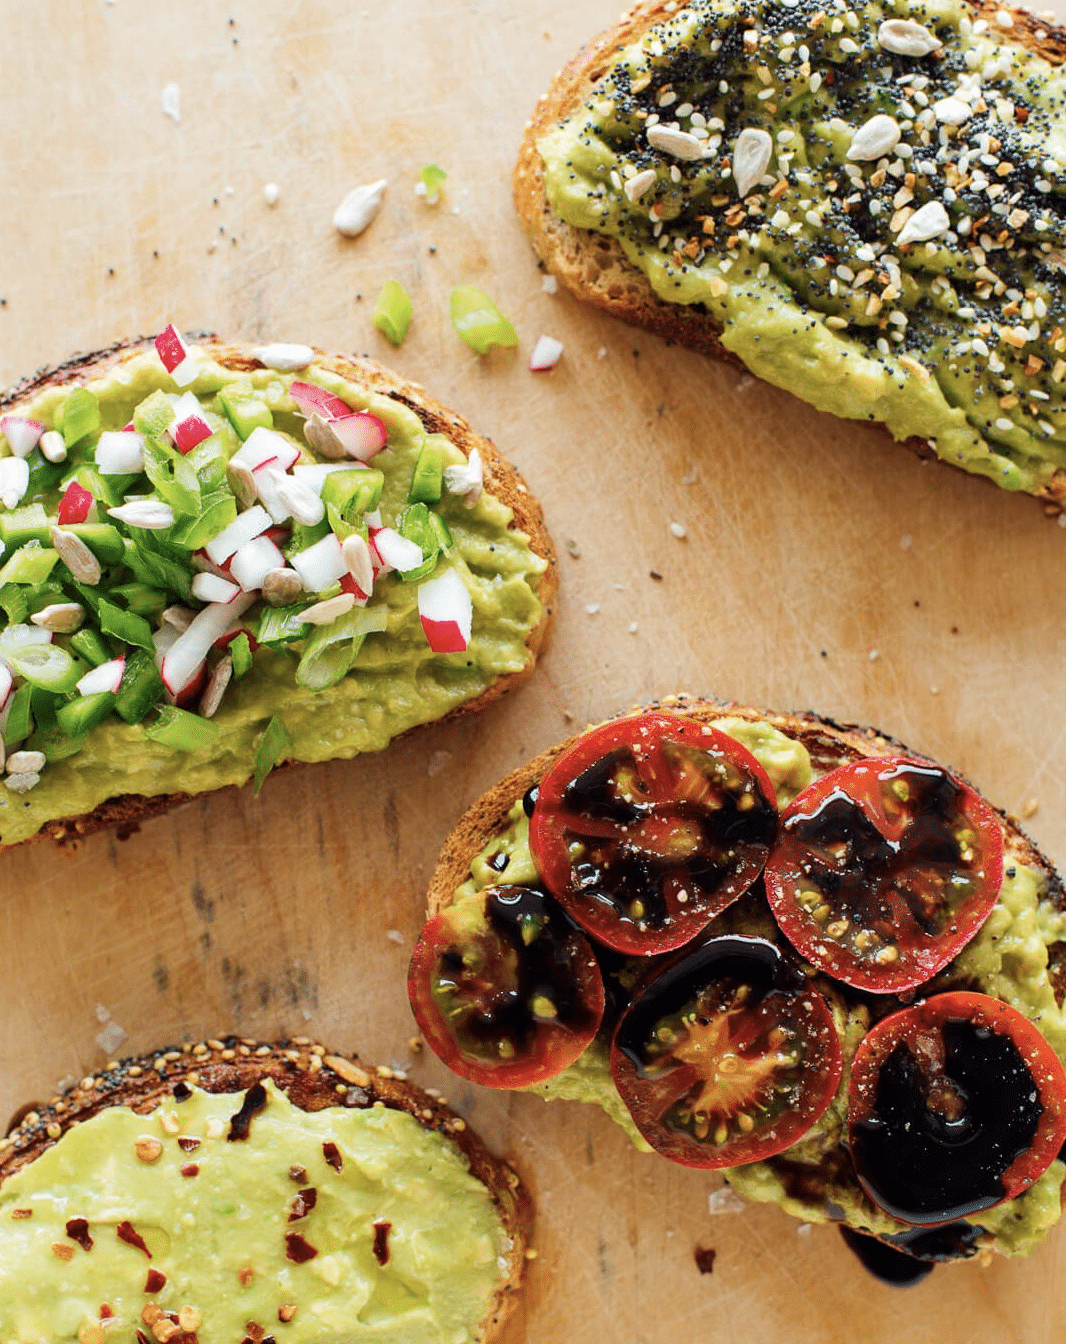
<point>388,1237</point>
<point>866,197</point>
<point>331,670</point>
<point>813,1180</point>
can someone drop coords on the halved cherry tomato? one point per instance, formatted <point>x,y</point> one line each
<point>505,989</point>
<point>649,826</point>
<point>884,870</point>
<point>728,1057</point>
<point>954,1105</point>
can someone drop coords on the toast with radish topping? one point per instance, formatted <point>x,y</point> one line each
<point>218,559</point>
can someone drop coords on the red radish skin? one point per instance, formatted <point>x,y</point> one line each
<point>446,611</point>
<point>311,398</point>
<point>444,636</point>
<point>75,505</point>
<point>22,434</point>
<point>189,432</point>
<point>170,347</point>
<point>362,434</point>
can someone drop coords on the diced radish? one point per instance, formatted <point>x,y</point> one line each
<point>22,434</point>
<point>314,474</point>
<point>253,561</point>
<point>266,446</point>
<point>75,504</point>
<point>120,453</point>
<point>251,523</point>
<point>320,565</point>
<point>192,690</point>
<point>189,432</point>
<point>396,551</point>
<point>446,612</point>
<point>203,564</point>
<point>310,398</point>
<point>267,483</point>
<point>14,480</point>
<point>185,656</point>
<point>302,502</point>
<point>362,434</point>
<point>6,683</point>
<point>349,585</point>
<point>171,348</point>
<point>357,557</point>
<point>210,588</point>
<point>546,354</point>
<point>107,677</point>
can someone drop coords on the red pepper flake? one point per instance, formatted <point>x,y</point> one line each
<point>256,1333</point>
<point>298,1249</point>
<point>128,1233</point>
<point>381,1242</point>
<point>155,1282</point>
<point>705,1257</point>
<point>78,1230</point>
<point>22,1213</point>
<point>255,1100</point>
<point>105,1312</point>
<point>190,1169</point>
<point>245,1276</point>
<point>332,1154</point>
<point>188,1145</point>
<point>304,1202</point>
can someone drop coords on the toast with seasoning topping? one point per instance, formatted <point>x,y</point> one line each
<point>765,185</point>
<point>503,869</point>
<point>352,1187</point>
<point>256,556</point>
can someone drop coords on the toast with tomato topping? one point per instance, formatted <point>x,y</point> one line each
<point>701,170</point>
<point>124,1187</point>
<point>219,558</point>
<point>848,879</point>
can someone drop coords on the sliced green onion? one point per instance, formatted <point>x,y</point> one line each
<point>244,411</point>
<point>432,178</point>
<point>81,415</point>
<point>181,730</point>
<point>273,745</point>
<point>54,743</point>
<point>141,598</point>
<point>153,415</point>
<point>209,459</point>
<point>174,479</point>
<point>30,564</point>
<point>44,595</point>
<point>76,717</point>
<point>13,601</point>
<point>87,644</point>
<point>332,648</point>
<point>281,625</point>
<point>219,509</point>
<point>104,540</point>
<point>30,523</point>
<point>415,523</point>
<point>156,570</point>
<point>125,625</point>
<point>240,652</point>
<point>44,705</point>
<point>427,483</point>
<point>393,311</point>
<point>142,687</point>
<point>19,716</point>
<point>304,535</point>
<point>44,475</point>
<point>478,321</point>
<point>49,666</point>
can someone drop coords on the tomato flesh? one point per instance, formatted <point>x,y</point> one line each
<point>649,827</point>
<point>504,988</point>
<point>884,870</point>
<point>954,1105</point>
<point>727,1057</point>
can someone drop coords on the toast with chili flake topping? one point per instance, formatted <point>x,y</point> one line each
<point>298,1112</point>
<point>267,522</point>
<point>621,203</point>
<point>516,833</point>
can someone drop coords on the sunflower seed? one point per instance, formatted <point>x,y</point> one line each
<point>678,144</point>
<point>242,483</point>
<point>151,514</point>
<point>325,613</point>
<point>53,446</point>
<point>76,556</point>
<point>216,687</point>
<point>636,187</point>
<point>751,158</point>
<point>178,617</point>
<point>62,618</point>
<point>906,38</point>
<point>301,501</point>
<point>928,222</point>
<point>358,208</point>
<point>322,439</point>
<point>356,555</point>
<point>875,138</point>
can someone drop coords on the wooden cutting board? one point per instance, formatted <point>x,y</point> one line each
<point>820,567</point>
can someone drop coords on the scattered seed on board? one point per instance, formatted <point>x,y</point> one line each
<point>284,358</point>
<point>359,207</point>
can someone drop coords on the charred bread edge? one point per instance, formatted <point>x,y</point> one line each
<point>127,811</point>
<point>313,1080</point>
<point>618,287</point>
<point>829,743</point>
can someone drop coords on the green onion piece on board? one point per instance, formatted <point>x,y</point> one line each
<point>240,651</point>
<point>76,717</point>
<point>273,745</point>
<point>181,730</point>
<point>48,666</point>
<point>393,311</point>
<point>432,178</point>
<point>478,321</point>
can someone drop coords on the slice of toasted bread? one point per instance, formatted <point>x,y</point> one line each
<point>595,267</point>
<point>821,1185</point>
<point>126,808</point>
<point>313,1080</point>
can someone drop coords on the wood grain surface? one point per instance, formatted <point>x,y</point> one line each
<point>821,567</point>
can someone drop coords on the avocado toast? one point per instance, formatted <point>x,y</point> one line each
<point>231,1189</point>
<point>295,559</point>
<point>857,204</point>
<point>1010,958</point>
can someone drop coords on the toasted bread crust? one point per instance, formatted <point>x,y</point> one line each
<point>594,266</point>
<point>313,1080</point>
<point>125,812</point>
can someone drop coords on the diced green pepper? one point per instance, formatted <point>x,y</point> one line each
<point>209,458</point>
<point>54,743</point>
<point>219,509</point>
<point>303,536</point>
<point>273,745</point>
<point>108,490</point>
<point>353,493</point>
<point>141,688</point>
<point>393,311</point>
<point>44,705</point>
<point>125,625</point>
<point>88,645</point>
<point>44,475</point>
<point>17,527</point>
<point>13,602</point>
<point>245,411</point>
<point>48,666</point>
<point>427,483</point>
<point>19,716</point>
<point>31,564</point>
<point>181,730</point>
<point>105,541</point>
<point>76,717</point>
<point>140,598</point>
<point>153,415</point>
<point>156,570</point>
<point>81,415</point>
